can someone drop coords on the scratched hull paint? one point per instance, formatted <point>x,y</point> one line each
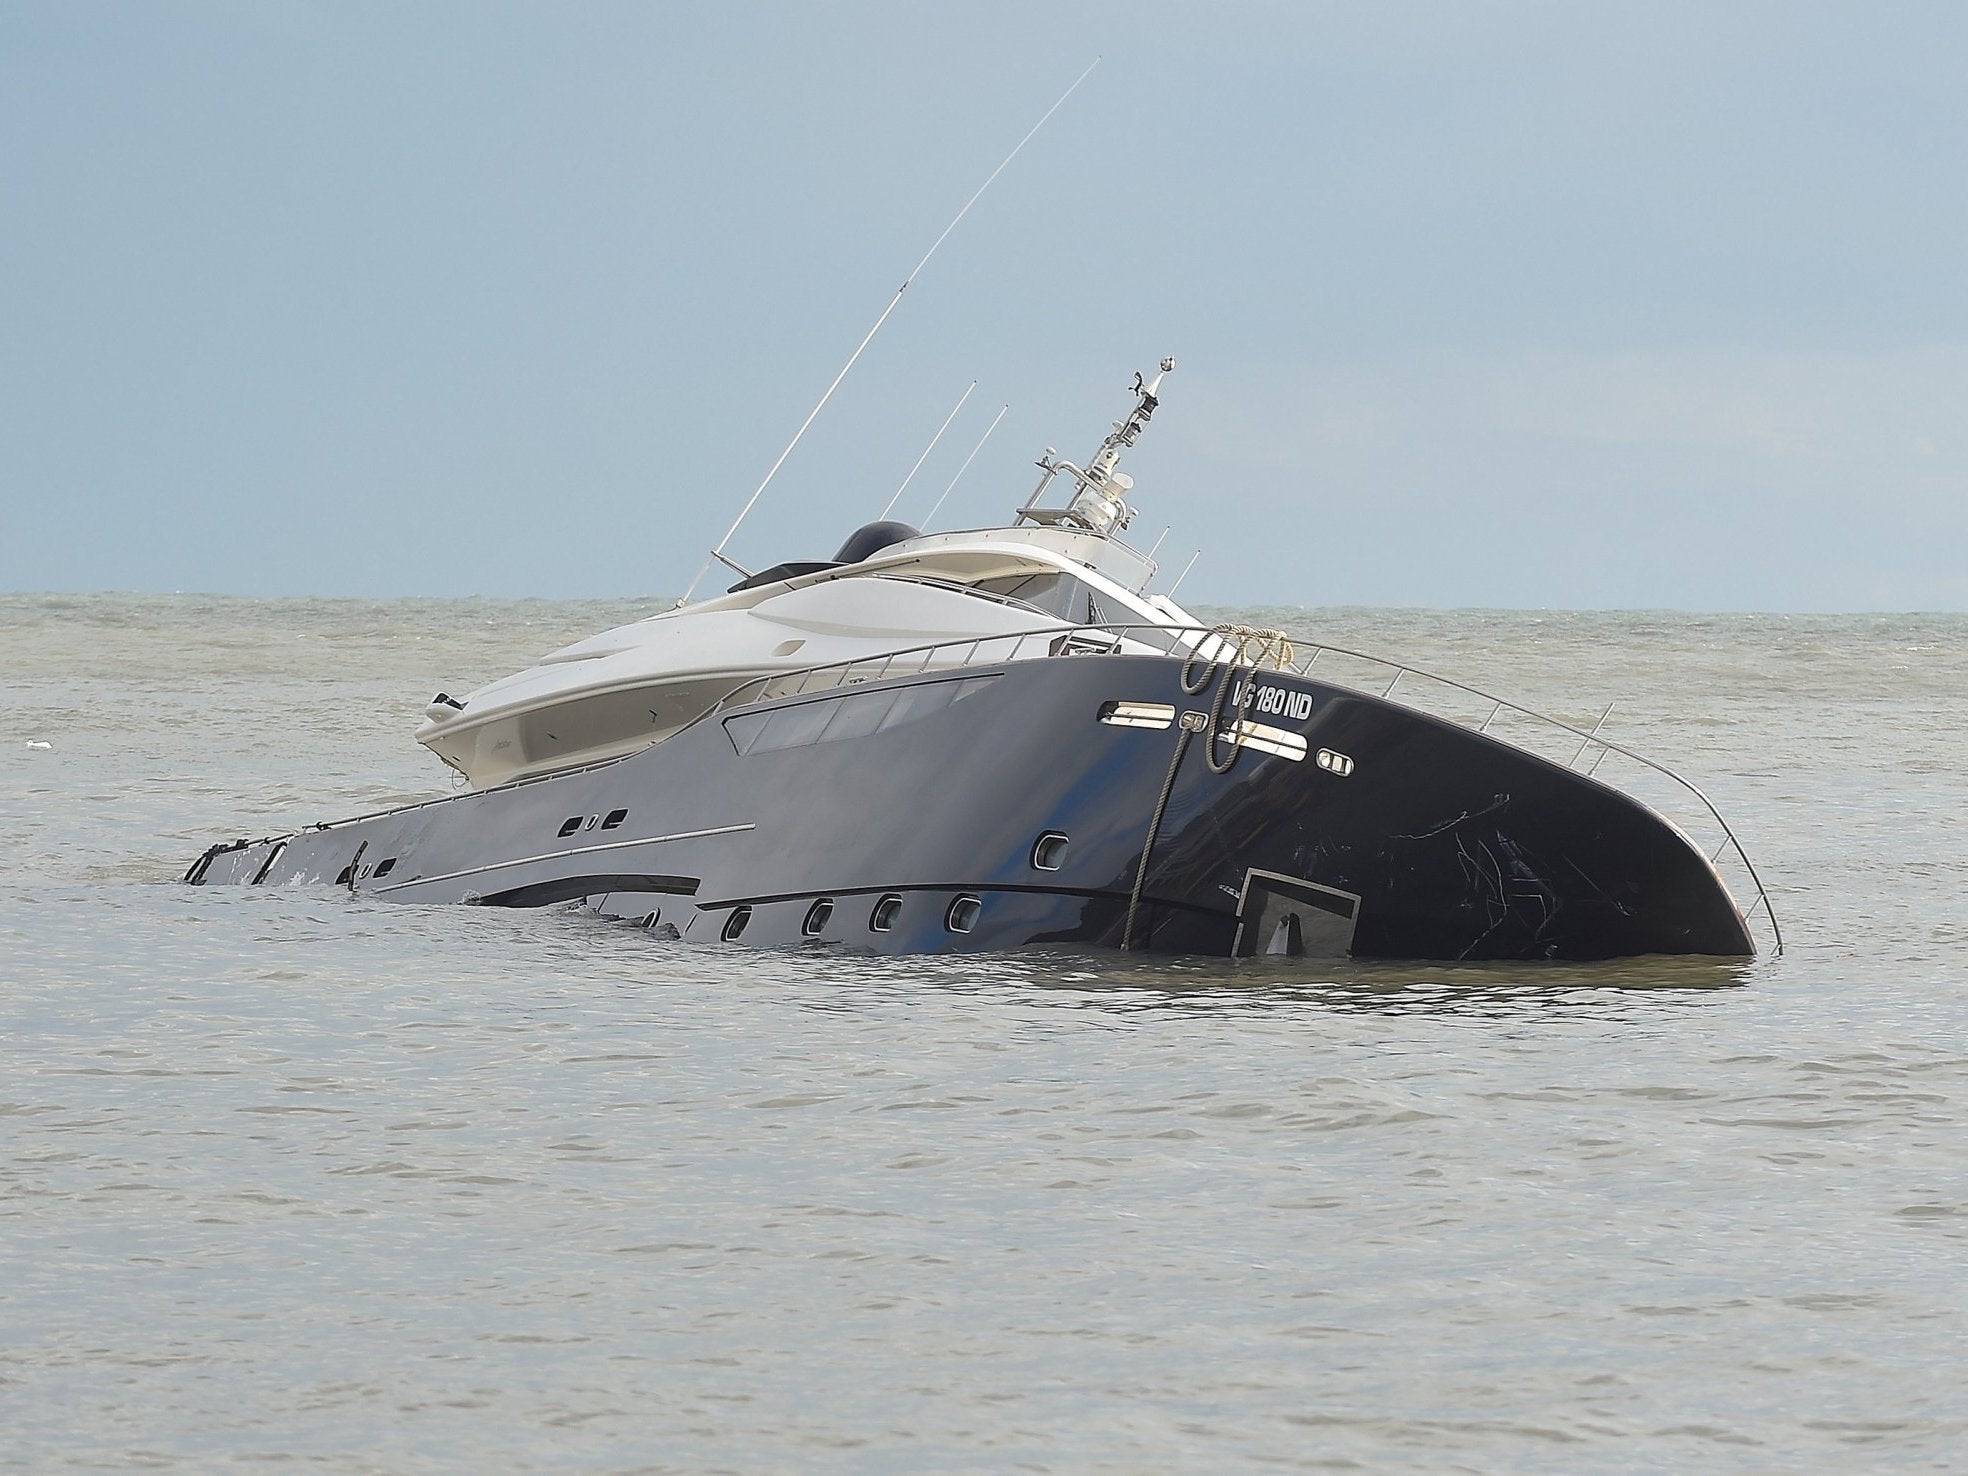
<point>996,809</point>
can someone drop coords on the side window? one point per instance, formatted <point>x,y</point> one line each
<point>853,715</point>
<point>1056,594</point>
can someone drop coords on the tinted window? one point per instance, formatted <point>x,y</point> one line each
<point>852,715</point>
<point>1056,594</point>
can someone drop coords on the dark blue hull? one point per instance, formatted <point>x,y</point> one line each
<point>994,808</point>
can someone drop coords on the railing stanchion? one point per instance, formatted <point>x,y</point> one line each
<point>1590,736</point>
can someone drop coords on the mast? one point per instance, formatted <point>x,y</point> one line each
<point>1101,505</point>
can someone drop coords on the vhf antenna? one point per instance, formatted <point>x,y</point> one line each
<point>927,449</point>
<point>717,553</point>
<point>962,469</point>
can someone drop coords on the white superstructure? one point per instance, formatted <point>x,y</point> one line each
<point>1055,567</point>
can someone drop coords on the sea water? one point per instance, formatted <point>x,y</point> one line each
<point>293,1180</point>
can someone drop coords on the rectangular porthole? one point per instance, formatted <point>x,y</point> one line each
<point>386,866</point>
<point>962,916</point>
<point>613,818</point>
<point>571,824</point>
<point>1335,763</point>
<point>817,917</point>
<point>1267,739</point>
<point>1137,714</point>
<point>887,909</point>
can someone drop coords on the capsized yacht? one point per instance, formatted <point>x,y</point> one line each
<point>997,738</point>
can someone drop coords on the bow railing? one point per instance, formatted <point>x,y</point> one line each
<point>1583,750</point>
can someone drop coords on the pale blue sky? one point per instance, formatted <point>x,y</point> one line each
<point>1651,305</point>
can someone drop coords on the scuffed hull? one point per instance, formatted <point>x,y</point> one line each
<point>1439,843</point>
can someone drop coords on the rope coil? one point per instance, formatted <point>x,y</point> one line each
<point>1217,658</point>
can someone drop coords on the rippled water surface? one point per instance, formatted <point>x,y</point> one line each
<point>293,1180</point>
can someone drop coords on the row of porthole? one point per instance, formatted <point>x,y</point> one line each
<point>588,822</point>
<point>1048,854</point>
<point>959,917</point>
<point>350,874</point>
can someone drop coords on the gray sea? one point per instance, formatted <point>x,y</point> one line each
<point>294,1181</point>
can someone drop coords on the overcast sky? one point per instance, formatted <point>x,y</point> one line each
<point>1511,304</point>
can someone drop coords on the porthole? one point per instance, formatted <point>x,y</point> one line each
<point>887,909</point>
<point>386,866</point>
<point>735,923</point>
<point>613,818</point>
<point>962,916</point>
<point>1049,851</point>
<point>817,916</point>
<point>650,918</point>
<point>571,824</point>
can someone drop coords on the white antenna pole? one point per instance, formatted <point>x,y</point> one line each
<point>1158,541</point>
<point>926,450</point>
<point>962,469</point>
<point>717,553</point>
<point>1183,575</point>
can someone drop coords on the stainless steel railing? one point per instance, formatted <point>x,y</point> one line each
<point>1236,645</point>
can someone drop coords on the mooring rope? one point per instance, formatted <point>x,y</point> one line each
<point>1155,829</point>
<point>1230,646</point>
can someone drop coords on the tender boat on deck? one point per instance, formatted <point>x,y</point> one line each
<point>997,738</point>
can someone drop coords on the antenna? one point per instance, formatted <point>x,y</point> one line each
<point>964,468</point>
<point>926,450</point>
<point>717,553</point>
<point>1183,575</point>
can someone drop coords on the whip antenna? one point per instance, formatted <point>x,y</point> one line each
<point>927,449</point>
<point>964,468</point>
<point>1183,575</point>
<point>717,553</point>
